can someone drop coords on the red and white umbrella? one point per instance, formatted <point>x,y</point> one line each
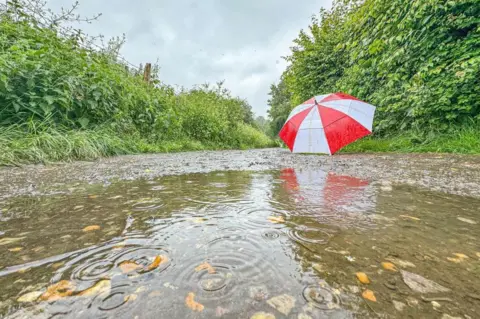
<point>327,123</point>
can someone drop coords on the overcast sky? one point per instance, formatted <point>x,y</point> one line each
<point>198,41</point>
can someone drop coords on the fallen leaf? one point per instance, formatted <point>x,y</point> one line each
<point>30,297</point>
<point>157,262</point>
<point>460,258</point>
<point>420,284</point>
<point>369,295</point>
<point>206,266</point>
<point>410,217</point>
<point>91,228</point>
<point>262,315</point>
<point>199,220</point>
<point>58,265</point>
<point>401,263</point>
<point>283,303</point>
<point>16,249</point>
<point>128,266</point>
<point>9,240</point>
<point>466,220</point>
<point>102,286</point>
<point>192,304</point>
<point>61,289</point>
<point>389,266</point>
<point>131,297</point>
<point>362,277</point>
<point>276,219</point>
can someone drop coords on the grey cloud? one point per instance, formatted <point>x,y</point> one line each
<point>195,42</point>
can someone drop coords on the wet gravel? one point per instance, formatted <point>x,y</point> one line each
<point>453,174</point>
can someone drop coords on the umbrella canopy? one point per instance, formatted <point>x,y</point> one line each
<point>327,123</point>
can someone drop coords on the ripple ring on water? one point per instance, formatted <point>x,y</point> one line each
<point>321,297</point>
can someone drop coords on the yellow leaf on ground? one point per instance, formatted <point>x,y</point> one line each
<point>103,286</point>
<point>461,256</point>
<point>91,228</point>
<point>206,266</point>
<point>389,266</point>
<point>410,217</point>
<point>128,266</point>
<point>61,289</point>
<point>16,249</point>
<point>157,262</point>
<point>276,219</point>
<point>369,295</point>
<point>362,277</point>
<point>262,315</point>
<point>192,304</point>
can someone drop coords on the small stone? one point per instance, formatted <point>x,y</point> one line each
<point>436,305</point>
<point>466,220</point>
<point>420,284</point>
<point>399,306</point>
<point>283,303</point>
<point>354,289</point>
<point>412,302</point>
<point>258,293</point>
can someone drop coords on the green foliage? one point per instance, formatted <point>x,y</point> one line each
<point>51,78</point>
<point>418,61</point>
<point>280,106</point>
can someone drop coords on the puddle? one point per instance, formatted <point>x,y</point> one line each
<point>284,242</point>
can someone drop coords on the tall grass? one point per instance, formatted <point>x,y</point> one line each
<point>463,140</point>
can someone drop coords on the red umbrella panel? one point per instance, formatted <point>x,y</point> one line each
<point>327,123</point>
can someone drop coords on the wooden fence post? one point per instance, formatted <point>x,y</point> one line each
<point>147,72</point>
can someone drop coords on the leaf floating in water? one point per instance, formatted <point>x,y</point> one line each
<point>362,277</point>
<point>410,217</point>
<point>58,265</point>
<point>276,219</point>
<point>157,262</point>
<point>131,297</point>
<point>206,266</point>
<point>199,220</point>
<point>91,228</point>
<point>420,284</point>
<point>128,266</point>
<point>389,266</point>
<point>61,289</point>
<point>192,304</point>
<point>9,240</point>
<point>103,286</point>
<point>92,196</point>
<point>262,315</point>
<point>16,249</point>
<point>30,297</point>
<point>369,295</point>
<point>466,220</point>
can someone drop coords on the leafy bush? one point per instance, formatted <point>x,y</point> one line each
<point>53,78</point>
<point>418,61</point>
